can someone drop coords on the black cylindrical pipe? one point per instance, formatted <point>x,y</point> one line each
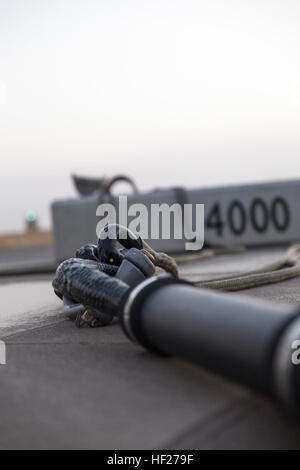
<point>244,339</point>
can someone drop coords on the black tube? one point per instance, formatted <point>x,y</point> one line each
<point>241,338</point>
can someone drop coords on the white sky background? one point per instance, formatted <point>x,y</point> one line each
<point>168,91</point>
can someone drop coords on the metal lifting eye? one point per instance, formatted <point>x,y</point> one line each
<point>114,241</point>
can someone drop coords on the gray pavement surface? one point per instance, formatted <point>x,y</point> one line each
<point>28,259</point>
<point>66,388</point>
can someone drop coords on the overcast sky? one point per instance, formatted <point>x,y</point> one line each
<point>170,92</point>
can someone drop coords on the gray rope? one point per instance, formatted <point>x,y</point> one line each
<point>161,260</point>
<point>285,268</point>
